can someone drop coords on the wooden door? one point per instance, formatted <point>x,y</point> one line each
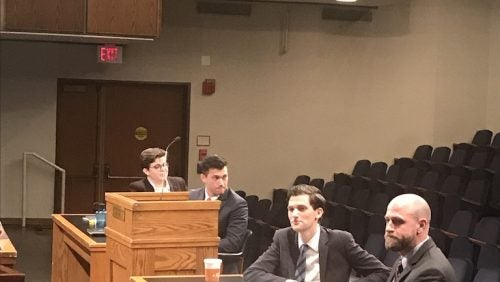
<point>102,126</point>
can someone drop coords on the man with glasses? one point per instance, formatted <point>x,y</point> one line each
<point>155,167</point>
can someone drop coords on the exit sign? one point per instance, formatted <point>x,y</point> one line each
<point>109,54</point>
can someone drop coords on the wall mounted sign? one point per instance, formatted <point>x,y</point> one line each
<point>203,140</point>
<point>141,133</point>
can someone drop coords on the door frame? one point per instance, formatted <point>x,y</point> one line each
<point>99,83</point>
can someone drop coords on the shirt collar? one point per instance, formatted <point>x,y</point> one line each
<point>314,241</point>
<point>208,197</point>
<point>159,189</point>
<point>408,256</point>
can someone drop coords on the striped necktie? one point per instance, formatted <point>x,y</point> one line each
<point>300,270</point>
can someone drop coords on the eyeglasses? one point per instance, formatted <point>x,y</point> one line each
<point>158,166</point>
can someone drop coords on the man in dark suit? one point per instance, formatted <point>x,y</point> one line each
<point>407,231</point>
<point>306,251</point>
<point>233,212</point>
<point>155,167</point>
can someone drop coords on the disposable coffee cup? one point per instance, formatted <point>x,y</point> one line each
<point>212,269</point>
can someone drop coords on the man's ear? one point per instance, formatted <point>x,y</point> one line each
<point>145,171</point>
<point>422,224</point>
<point>319,213</point>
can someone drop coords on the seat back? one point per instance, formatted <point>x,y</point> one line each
<point>482,137</point>
<point>302,179</point>
<point>361,167</point>
<point>441,154</point>
<point>237,257</point>
<point>423,152</point>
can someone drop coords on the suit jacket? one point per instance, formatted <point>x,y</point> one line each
<point>338,255</point>
<point>233,219</point>
<point>177,184</point>
<point>427,264</point>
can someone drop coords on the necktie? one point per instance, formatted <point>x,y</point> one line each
<point>300,270</point>
<point>398,271</point>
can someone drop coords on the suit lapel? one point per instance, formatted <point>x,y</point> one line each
<point>148,186</point>
<point>293,246</point>
<point>394,269</point>
<point>172,188</point>
<point>323,253</point>
<point>416,258</point>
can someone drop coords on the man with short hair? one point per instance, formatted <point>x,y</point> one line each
<point>306,251</point>
<point>155,167</point>
<point>407,231</point>
<point>233,212</point>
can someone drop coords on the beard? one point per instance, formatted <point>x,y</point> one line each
<point>399,244</point>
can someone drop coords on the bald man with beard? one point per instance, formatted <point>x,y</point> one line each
<point>407,231</point>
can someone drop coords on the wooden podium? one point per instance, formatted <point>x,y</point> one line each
<point>149,233</point>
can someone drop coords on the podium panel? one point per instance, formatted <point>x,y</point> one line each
<point>149,233</point>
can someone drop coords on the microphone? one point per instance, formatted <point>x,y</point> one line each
<point>166,153</point>
<point>172,142</point>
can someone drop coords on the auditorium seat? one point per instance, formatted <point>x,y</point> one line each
<point>376,224</point>
<point>241,193</point>
<point>430,181</point>
<point>451,204</point>
<point>476,196</point>
<point>422,152</point>
<point>435,204</point>
<point>487,275</point>
<point>451,185</point>
<point>439,155</point>
<point>302,179</point>
<point>489,257</point>
<point>343,195</point>
<point>375,245</point>
<point>318,183</point>
<point>495,143</point>
<point>440,239</point>
<point>462,248</point>
<point>392,190</point>
<point>377,170</point>
<point>263,207</point>
<point>378,203</point>
<point>392,175</point>
<point>463,269</point>
<point>338,217</point>
<point>252,202</point>
<point>360,169</point>
<point>461,224</point>
<point>482,137</point>
<point>360,199</point>
<point>329,190</point>
<point>358,223</point>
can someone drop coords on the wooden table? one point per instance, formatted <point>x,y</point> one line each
<point>8,253</point>
<point>76,255</point>
<point>186,278</point>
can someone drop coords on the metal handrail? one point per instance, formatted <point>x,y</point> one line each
<point>25,183</point>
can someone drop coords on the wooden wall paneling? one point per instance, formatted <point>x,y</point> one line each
<point>57,16</point>
<point>124,17</point>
